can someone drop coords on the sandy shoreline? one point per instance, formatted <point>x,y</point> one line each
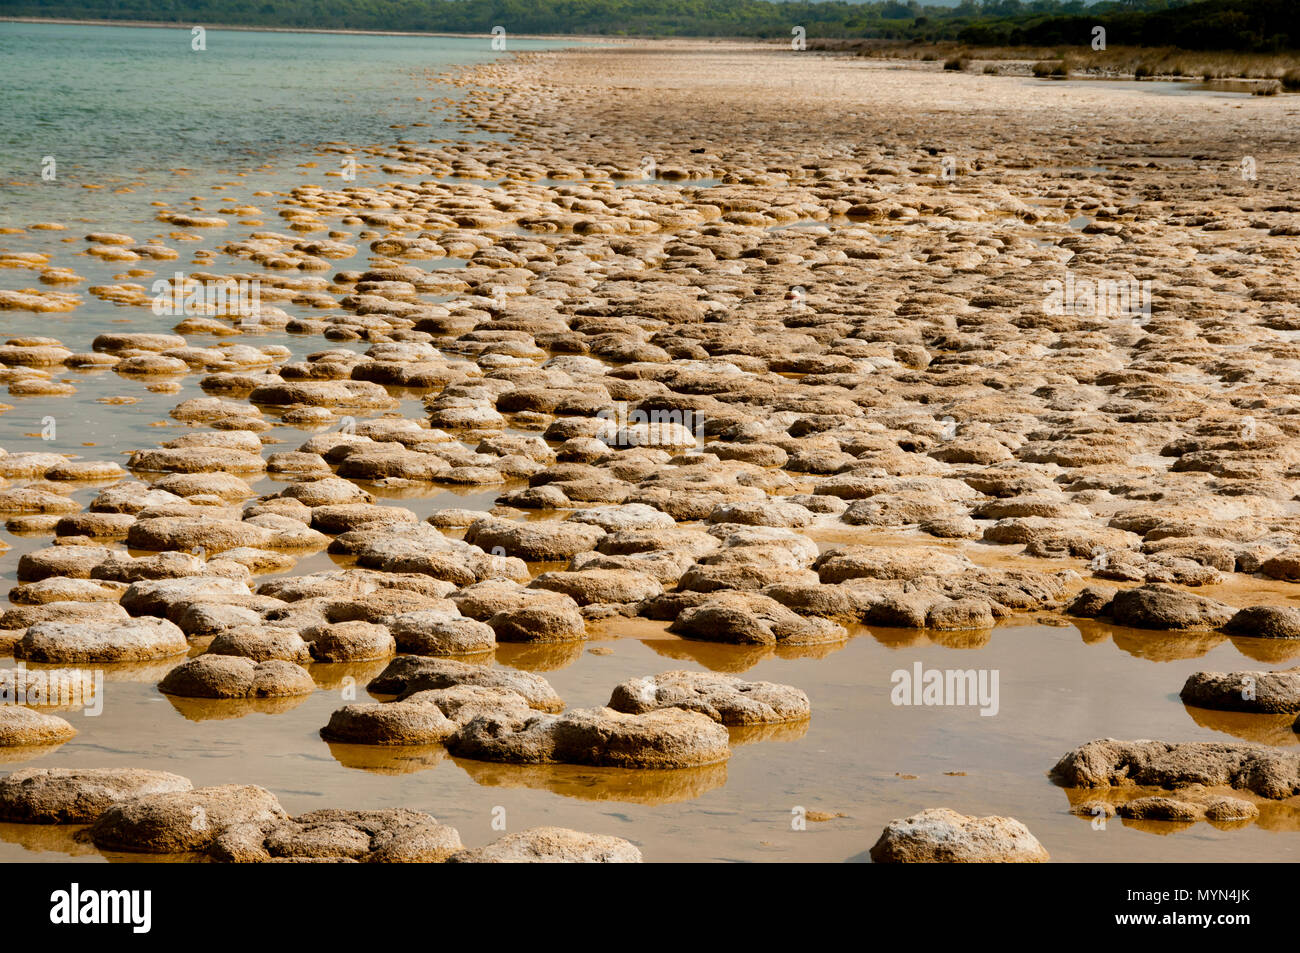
<point>754,356</point>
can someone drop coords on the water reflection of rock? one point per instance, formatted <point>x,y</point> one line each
<point>20,753</point>
<point>779,731</point>
<point>1090,632</point>
<point>226,709</point>
<point>908,638</point>
<point>381,759</point>
<point>1162,828</point>
<point>1273,815</point>
<point>1269,651</point>
<point>960,638</point>
<point>1277,730</point>
<point>52,689</point>
<point>1157,646</point>
<point>333,676</point>
<point>125,857</point>
<point>535,656</point>
<point>1230,825</point>
<point>714,656</point>
<point>1280,817</point>
<point>52,838</point>
<point>1165,646</point>
<point>1150,644</point>
<point>151,670</point>
<point>600,784</point>
<point>719,657</point>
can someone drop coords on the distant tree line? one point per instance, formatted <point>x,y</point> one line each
<point>1254,26</point>
<point>1239,25</point>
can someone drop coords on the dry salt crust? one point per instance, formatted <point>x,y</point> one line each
<point>799,381</point>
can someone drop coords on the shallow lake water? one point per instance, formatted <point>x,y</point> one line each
<point>860,755</point>
<point>140,108</point>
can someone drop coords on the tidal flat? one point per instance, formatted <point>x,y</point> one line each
<point>604,468</point>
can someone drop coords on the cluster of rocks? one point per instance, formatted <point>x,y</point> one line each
<point>154,812</point>
<point>634,356</point>
<point>674,720</point>
<point>1194,776</point>
<point>801,381</point>
<point>1169,608</point>
<point>1188,807</point>
<point>1266,772</point>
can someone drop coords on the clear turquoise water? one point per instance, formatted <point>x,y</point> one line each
<point>117,105</point>
<point>136,113</point>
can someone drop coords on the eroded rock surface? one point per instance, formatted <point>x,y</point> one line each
<point>1267,772</point>
<point>724,698</point>
<point>942,836</point>
<point>552,845</point>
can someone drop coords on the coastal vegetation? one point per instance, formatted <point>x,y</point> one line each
<point>1244,26</point>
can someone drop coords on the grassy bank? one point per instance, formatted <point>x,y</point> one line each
<point>1126,61</point>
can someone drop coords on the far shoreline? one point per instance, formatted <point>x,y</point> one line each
<point>186,24</point>
<point>1267,76</point>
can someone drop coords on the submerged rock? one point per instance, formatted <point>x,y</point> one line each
<point>422,717</point>
<point>260,643</point>
<point>349,642</point>
<point>539,623</point>
<point>1187,809</point>
<point>599,585</point>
